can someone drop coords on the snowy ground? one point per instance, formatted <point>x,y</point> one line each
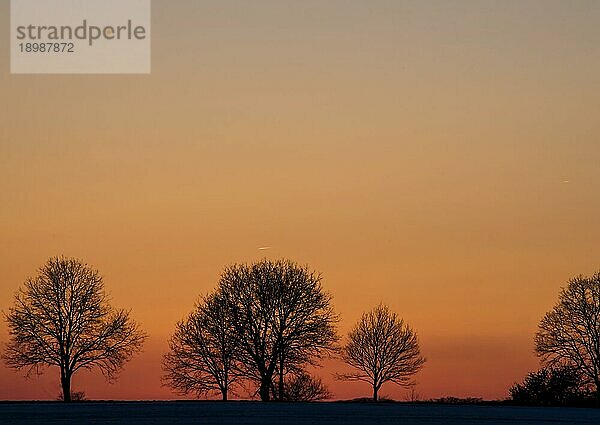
<point>238,413</point>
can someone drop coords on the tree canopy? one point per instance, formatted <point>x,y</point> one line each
<point>570,332</point>
<point>62,317</point>
<point>201,357</point>
<point>382,348</point>
<point>282,319</point>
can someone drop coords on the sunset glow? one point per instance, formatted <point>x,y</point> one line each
<point>441,157</point>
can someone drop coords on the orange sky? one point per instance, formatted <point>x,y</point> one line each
<point>439,156</point>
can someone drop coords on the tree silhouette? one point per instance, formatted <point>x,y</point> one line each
<point>281,317</point>
<point>301,386</point>
<point>383,349</point>
<point>551,386</point>
<point>570,332</point>
<point>202,351</point>
<point>62,318</point>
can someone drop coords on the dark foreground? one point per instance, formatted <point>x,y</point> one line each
<point>238,413</point>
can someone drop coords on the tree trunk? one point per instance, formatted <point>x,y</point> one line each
<point>65,382</point>
<point>375,390</point>
<point>265,390</point>
<point>281,382</point>
<point>225,386</point>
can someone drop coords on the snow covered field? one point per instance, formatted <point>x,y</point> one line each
<point>238,413</point>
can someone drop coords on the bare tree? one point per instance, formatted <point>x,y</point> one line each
<point>384,349</point>
<point>302,386</point>
<point>62,317</point>
<point>281,316</point>
<point>202,351</point>
<point>570,332</point>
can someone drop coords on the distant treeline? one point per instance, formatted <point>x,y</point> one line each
<point>265,329</point>
<point>259,333</point>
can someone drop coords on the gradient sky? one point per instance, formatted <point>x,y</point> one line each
<point>441,156</point>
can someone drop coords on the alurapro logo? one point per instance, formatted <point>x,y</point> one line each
<point>80,36</point>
